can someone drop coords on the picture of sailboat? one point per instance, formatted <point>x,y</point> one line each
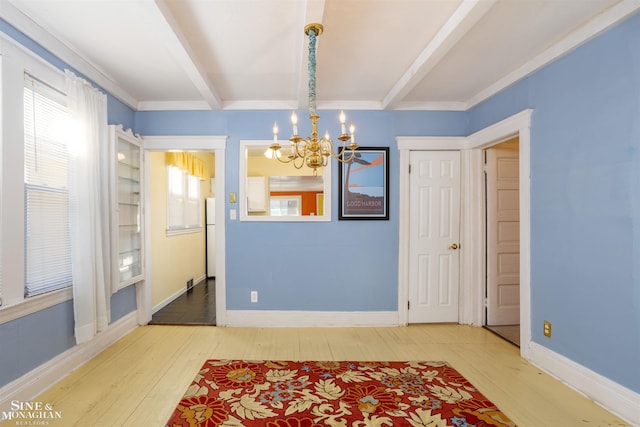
<point>364,186</point>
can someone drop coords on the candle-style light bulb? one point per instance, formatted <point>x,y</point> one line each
<point>294,122</point>
<point>343,120</point>
<point>275,132</point>
<point>352,129</point>
<point>326,136</point>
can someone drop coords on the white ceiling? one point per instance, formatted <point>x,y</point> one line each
<point>252,54</point>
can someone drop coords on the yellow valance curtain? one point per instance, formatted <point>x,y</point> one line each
<point>188,163</point>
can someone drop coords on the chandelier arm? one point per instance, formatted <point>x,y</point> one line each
<point>295,164</point>
<point>289,159</point>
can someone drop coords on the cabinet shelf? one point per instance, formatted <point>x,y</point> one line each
<point>129,227</point>
<point>132,180</point>
<point>128,170</point>
<point>129,165</point>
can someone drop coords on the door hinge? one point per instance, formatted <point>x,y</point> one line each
<point>409,167</point>
<point>486,302</point>
<point>408,305</point>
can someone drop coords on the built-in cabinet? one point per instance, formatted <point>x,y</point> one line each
<point>128,202</point>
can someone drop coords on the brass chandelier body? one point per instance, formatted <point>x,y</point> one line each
<point>312,151</point>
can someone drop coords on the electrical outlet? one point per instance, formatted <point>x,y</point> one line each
<point>254,296</point>
<point>546,329</point>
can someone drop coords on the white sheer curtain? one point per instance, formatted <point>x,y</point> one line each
<point>90,212</point>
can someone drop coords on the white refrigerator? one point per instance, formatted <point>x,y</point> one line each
<point>210,214</point>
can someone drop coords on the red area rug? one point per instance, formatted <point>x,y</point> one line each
<point>309,394</point>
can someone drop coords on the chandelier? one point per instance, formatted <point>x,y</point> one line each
<point>313,151</point>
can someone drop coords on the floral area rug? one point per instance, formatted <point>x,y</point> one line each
<point>309,394</point>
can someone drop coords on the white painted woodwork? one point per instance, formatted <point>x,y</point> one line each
<point>503,234</point>
<point>434,224</point>
<point>216,144</point>
<point>440,42</point>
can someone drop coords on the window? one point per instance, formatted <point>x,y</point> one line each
<point>285,205</point>
<point>184,201</point>
<point>46,187</point>
<point>254,165</point>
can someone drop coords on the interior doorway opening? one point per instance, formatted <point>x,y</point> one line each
<point>216,145</point>
<point>502,239</point>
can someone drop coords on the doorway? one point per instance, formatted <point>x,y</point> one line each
<point>502,231</point>
<point>213,145</point>
<point>182,185</point>
<point>472,218</point>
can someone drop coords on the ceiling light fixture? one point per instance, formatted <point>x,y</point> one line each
<point>313,151</point>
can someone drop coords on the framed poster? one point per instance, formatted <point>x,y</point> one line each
<point>363,185</point>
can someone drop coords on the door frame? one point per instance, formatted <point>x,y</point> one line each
<point>472,233</point>
<point>210,143</point>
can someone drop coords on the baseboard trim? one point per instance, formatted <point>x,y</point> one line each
<point>33,383</point>
<point>168,300</point>
<point>610,395</point>
<point>269,318</point>
<point>176,294</point>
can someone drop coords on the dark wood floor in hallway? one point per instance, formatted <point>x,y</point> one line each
<point>197,306</point>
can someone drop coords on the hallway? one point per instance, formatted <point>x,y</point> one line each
<point>197,306</point>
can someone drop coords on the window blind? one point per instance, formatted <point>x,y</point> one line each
<point>46,187</point>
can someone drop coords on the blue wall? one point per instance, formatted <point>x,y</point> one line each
<point>585,213</point>
<point>585,200</point>
<point>318,266</point>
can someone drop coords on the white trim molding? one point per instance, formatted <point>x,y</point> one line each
<point>184,142</point>
<point>406,144</point>
<point>33,383</point>
<point>472,217</point>
<point>213,143</point>
<point>599,24</point>
<point>35,304</point>
<point>517,125</point>
<point>311,319</point>
<point>606,393</point>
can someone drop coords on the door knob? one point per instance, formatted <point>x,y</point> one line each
<point>453,246</point>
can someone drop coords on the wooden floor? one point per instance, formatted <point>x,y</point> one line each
<point>197,306</point>
<point>139,380</point>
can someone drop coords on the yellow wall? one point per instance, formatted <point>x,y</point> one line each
<point>262,166</point>
<point>174,259</point>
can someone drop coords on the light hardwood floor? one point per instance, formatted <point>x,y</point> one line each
<point>139,380</point>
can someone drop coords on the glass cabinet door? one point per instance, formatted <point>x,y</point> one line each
<point>129,206</point>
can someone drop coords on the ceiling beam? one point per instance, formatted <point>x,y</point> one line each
<point>463,19</point>
<point>179,47</point>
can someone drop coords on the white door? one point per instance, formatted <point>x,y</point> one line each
<point>434,194</point>
<point>503,234</point>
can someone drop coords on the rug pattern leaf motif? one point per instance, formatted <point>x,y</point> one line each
<point>232,393</point>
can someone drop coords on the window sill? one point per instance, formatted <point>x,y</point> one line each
<point>34,304</point>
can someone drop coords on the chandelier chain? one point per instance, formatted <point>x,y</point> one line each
<point>312,72</point>
<point>313,151</point>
